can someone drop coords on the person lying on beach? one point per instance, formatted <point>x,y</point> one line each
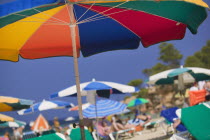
<point>117,124</point>
<point>141,116</point>
<point>144,117</point>
<point>106,129</point>
<point>177,120</point>
<point>176,123</point>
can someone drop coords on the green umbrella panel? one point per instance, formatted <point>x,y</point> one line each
<point>137,101</point>
<point>55,136</point>
<point>76,135</point>
<point>196,120</point>
<point>188,74</point>
<point>16,123</point>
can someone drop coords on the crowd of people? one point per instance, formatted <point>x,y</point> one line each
<point>196,86</point>
<point>202,85</point>
<point>108,125</point>
<point>17,134</point>
<point>114,123</point>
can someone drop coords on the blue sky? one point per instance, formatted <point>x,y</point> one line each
<point>37,79</point>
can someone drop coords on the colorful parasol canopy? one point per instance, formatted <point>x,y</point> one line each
<point>189,75</point>
<point>40,124</point>
<point>5,118</point>
<point>16,123</point>
<point>103,108</point>
<point>39,29</point>
<point>196,120</point>
<point>12,104</point>
<point>45,105</point>
<point>95,85</point>
<point>137,101</point>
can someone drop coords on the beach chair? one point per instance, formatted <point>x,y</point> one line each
<point>170,115</point>
<point>97,133</point>
<point>29,135</point>
<point>196,97</point>
<point>113,136</point>
<point>152,125</point>
<point>180,136</point>
<point>122,133</point>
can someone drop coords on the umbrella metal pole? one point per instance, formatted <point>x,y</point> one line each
<point>181,85</point>
<point>76,69</point>
<point>96,119</point>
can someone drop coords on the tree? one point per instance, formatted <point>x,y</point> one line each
<point>170,58</point>
<point>200,58</point>
<point>170,55</point>
<point>143,93</point>
<point>159,67</point>
<point>136,82</point>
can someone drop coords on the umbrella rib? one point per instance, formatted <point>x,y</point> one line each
<point>92,20</point>
<point>67,6</point>
<point>47,22</point>
<point>100,13</point>
<point>100,17</point>
<point>38,18</point>
<point>50,16</point>
<point>85,12</point>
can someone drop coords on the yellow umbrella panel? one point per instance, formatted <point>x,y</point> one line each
<point>12,104</point>
<point>5,118</point>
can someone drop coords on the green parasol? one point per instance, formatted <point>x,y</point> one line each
<point>137,101</point>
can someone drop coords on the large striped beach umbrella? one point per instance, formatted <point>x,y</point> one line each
<point>188,74</point>
<point>45,105</point>
<point>103,108</point>
<point>39,29</point>
<point>180,76</point>
<point>95,85</point>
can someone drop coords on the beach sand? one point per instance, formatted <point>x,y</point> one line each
<point>151,134</point>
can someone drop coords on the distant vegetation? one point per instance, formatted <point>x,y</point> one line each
<point>200,58</point>
<point>170,58</point>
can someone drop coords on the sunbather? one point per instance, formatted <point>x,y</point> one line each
<point>141,116</point>
<point>117,124</point>
<point>106,129</point>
